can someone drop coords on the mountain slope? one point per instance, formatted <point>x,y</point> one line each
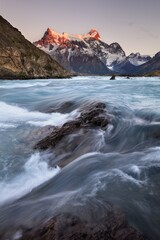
<point>151,66</point>
<point>87,53</point>
<point>125,67</point>
<point>137,59</point>
<point>21,59</point>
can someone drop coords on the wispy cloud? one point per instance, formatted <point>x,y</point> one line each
<point>142,29</point>
<point>149,33</point>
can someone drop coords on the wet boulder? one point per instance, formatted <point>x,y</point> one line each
<point>91,116</point>
<point>113,226</point>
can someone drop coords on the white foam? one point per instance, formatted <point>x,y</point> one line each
<point>11,114</point>
<point>6,125</point>
<point>124,177</point>
<point>152,156</point>
<point>140,121</point>
<point>35,173</point>
<point>100,140</point>
<point>135,169</point>
<point>110,127</point>
<point>55,119</point>
<point>24,84</point>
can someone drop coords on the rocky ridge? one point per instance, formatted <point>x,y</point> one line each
<point>21,59</point>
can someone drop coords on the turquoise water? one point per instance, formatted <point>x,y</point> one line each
<point>121,165</point>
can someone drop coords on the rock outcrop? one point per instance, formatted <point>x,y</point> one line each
<point>68,227</point>
<point>21,59</point>
<point>92,116</point>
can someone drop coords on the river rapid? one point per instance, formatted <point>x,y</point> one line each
<point>120,165</point>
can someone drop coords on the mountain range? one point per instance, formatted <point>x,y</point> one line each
<point>58,55</point>
<point>88,54</point>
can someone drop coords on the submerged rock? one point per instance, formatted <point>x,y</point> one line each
<point>113,226</point>
<point>92,116</point>
<point>65,107</point>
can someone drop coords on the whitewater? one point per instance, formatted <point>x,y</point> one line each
<point>120,164</point>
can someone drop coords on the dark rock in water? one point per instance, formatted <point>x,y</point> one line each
<point>100,121</point>
<point>114,226</point>
<point>92,116</point>
<point>113,77</point>
<point>75,145</point>
<point>38,134</point>
<point>91,111</point>
<point>58,134</point>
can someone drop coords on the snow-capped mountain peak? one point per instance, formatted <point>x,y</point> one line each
<point>53,37</point>
<point>94,34</point>
<point>137,59</point>
<point>79,52</point>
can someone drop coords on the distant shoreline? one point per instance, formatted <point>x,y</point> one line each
<point>76,75</point>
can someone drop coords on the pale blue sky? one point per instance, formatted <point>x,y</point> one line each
<point>133,24</point>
